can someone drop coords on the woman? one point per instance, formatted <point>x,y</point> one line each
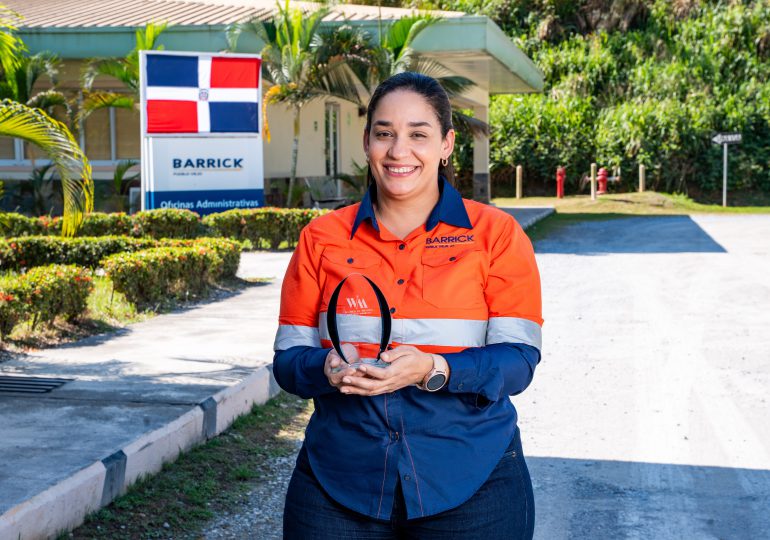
<point>426,447</point>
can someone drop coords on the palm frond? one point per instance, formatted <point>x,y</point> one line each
<point>93,101</point>
<point>48,99</point>
<point>119,178</point>
<point>468,124</point>
<point>39,129</point>
<point>11,49</point>
<point>110,67</point>
<point>40,64</point>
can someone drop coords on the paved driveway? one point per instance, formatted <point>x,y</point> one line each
<point>649,416</point>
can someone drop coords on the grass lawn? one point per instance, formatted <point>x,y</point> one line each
<point>647,203</point>
<point>211,478</point>
<point>579,208</point>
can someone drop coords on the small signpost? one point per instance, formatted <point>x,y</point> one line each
<point>725,139</point>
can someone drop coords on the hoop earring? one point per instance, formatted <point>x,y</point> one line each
<point>444,162</point>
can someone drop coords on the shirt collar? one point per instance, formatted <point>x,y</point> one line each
<point>449,209</point>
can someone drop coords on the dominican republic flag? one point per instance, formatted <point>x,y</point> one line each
<point>201,93</point>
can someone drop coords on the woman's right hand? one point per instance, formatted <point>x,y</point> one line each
<point>333,361</point>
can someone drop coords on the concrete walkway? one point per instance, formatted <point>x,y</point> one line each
<point>136,399</point>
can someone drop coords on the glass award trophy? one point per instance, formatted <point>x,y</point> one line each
<point>358,320</point>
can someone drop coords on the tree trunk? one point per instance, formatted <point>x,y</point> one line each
<point>294,154</point>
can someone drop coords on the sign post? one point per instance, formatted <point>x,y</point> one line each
<point>201,140</point>
<point>724,139</point>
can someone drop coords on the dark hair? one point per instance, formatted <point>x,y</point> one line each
<point>432,92</point>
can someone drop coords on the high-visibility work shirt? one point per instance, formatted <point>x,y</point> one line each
<point>465,286</point>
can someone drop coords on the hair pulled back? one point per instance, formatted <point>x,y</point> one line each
<point>432,92</point>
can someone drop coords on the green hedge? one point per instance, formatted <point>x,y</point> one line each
<point>228,250</point>
<point>42,294</point>
<point>31,251</point>
<point>168,223</point>
<point>263,227</point>
<point>152,275</point>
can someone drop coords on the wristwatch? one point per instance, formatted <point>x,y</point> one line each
<point>435,379</point>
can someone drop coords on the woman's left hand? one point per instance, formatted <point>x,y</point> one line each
<point>408,365</point>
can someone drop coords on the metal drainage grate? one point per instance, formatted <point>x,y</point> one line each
<point>29,385</point>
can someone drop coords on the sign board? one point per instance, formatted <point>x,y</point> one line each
<point>201,141</point>
<point>727,138</point>
<point>204,175</point>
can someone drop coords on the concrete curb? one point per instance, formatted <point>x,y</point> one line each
<point>529,215</point>
<point>64,506</point>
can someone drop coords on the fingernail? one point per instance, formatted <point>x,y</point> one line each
<point>346,379</point>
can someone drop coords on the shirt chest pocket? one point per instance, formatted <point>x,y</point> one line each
<point>453,279</point>
<point>338,263</point>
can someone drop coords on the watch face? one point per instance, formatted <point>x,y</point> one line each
<point>435,382</point>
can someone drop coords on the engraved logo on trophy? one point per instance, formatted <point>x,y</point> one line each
<point>358,331</point>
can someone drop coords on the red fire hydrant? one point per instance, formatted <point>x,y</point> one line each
<point>601,178</point>
<point>561,176</point>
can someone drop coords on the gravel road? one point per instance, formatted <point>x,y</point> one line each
<point>648,416</point>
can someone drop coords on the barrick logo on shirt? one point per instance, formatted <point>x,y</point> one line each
<point>446,241</point>
<point>209,163</point>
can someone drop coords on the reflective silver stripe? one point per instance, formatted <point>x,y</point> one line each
<point>291,336</point>
<point>441,332</point>
<point>355,328</point>
<point>514,330</point>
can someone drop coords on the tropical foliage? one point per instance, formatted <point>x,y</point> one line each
<point>53,137</point>
<point>636,81</point>
<point>20,119</point>
<point>296,67</point>
<point>125,70</point>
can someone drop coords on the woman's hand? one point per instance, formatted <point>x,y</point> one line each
<point>333,362</point>
<point>408,365</point>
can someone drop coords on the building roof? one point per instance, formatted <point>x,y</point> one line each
<point>132,13</point>
<point>470,46</point>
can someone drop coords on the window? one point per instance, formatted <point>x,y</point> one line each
<point>98,144</point>
<point>127,143</point>
<point>332,118</point>
<point>7,148</point>
<point>112,134</point>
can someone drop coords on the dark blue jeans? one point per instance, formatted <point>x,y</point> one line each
<point>502,509</point>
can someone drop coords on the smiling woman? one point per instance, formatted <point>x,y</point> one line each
<point>426,446</point>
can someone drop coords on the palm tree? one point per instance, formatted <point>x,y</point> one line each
<point>36,127</point>
<point>126,70</point>
<point>293,62</point>
<point>24,121</point>
<point>395,54</point>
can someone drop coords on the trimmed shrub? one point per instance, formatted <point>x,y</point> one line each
<point>263,227</point>
<point>31,251</point>
<point>167,223</point>
<point>228,250</point>
<point>58,290</point>
<point>43,293</point>
<point>12,224</point>
<point>152,275</point>
<point>96,224</point>
<point>13,303</point>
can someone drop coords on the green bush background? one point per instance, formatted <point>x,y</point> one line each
<point>633,81</point>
